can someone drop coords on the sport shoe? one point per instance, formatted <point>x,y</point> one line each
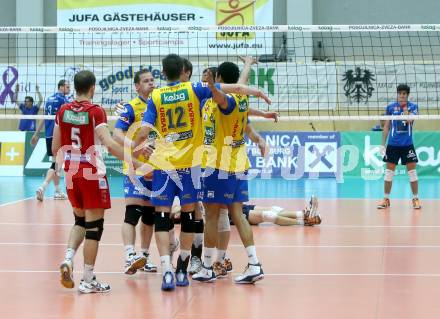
<point>149,265</point>
<point>182,278</point>
<point>66,272</point>
<point>195,265</point>
<point>385,203</point>
<point>228,265</point>
<point>134,263</point>
<point>206,274</point>
<point>59,195</point>
<point>416,203</point>
<point>40,193</point>
<point>251,274</point>
<point>93,286</point>
<point>168,281</point>
<point>312,220</point>
<point>219,269</point>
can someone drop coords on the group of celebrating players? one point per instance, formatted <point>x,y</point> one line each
<point>182,144</point>
<point>184,141</point>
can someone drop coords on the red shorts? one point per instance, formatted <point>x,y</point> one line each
<point>89,194</point>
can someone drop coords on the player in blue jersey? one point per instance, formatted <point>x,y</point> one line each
<point>28,108</point>
<point>397,136</point>
<point>53,104</point>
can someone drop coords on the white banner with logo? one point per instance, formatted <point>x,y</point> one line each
<point>165,13</point>
<point>367,85</point>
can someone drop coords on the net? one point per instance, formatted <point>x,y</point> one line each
<point>311,72</point>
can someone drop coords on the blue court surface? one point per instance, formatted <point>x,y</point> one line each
<point>17,188</point>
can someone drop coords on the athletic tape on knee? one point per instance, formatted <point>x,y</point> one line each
<point>148,215</point>
<point>412,175</point>
<point>94,229</point>
<point>162,222</point>
<point>269,216</point>
<point>132,214</point>
<point>389,174</point>
<point>80,221</point>
<point>223,221</point>
<point>187,222</point>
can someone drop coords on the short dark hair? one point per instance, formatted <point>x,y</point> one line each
<point>137,75</point>
<point>172,66</point>
<point>30,98</point>
<point>229,72</point>
<point>61,83</point>
<point>83,81</point>
<point>403,87</point>
<point>187,66</point>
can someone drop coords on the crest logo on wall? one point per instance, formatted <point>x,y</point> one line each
<point>358,85</point>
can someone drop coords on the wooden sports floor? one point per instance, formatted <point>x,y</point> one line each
<point>359,263</point>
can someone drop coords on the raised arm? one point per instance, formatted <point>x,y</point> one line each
<point>244,90</point>
<point>40,97</point>
<point>265,114</point>
<point>248,62</point>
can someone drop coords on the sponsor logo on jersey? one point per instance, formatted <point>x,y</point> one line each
<point>243,106</point>
<point>174,97</point>
<point>77,118</point>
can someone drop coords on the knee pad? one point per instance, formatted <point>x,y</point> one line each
<point>389,174</point>
<point>269,216</point>
<point>94,229</point>
<point>132,214</point>
<point>162,222</point>
<point>223,221</point>
<point>148,215</point>
<point>187,222</point>
<point>52,166</point>
<point>413,175</point>
<point>80,221</point>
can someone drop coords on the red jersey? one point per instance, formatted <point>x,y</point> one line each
<point>77,122</point>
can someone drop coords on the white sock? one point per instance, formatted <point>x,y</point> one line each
<point>387,196</point>
<point>57,188</point>
<point>165,262</point>
<point>208,256</point>
<point>184,254</point>
<point>70,253</point>
<point>415,196</point>
<point>88,273</point>
<point>198,240</point>
<point>221,255</point>
<point>299,214</point>
<point>129,250</point>
<point>44,185</point>
<point>252,255</point>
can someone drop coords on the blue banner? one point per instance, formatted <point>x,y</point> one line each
<point>294,155</point>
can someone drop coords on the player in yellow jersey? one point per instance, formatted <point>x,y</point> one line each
<point>225,177</point>
<point>174,112</point>
<point>137,201</point>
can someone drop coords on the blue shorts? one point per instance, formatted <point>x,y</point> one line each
<point>131,191</point>
<point>226,189</point>
<point>180,183</point>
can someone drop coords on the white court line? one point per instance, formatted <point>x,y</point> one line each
<point>320,226</point>
<point>16,201</point>
<point>258,246</point>
<point>10,271</point>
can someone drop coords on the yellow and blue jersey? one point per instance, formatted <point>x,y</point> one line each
<point>133,113</point>
<point>224,134</point>
<point>174,112</point>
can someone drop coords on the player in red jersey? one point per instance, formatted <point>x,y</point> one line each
<point>80,128</point>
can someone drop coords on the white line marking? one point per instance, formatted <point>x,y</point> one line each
<point>11,271</point>
<point>258,246</point>
<point>15,201</point>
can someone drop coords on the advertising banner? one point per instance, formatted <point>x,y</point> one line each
<point>11,153</point>
<point>101,15</point>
